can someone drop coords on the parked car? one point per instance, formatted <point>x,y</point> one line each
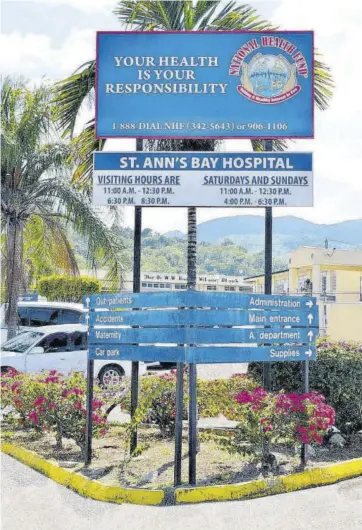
<point>36,314</point>
<point>62,348</point>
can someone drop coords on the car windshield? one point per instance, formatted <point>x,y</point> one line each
<point>22,342</point>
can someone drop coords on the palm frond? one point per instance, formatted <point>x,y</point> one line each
<point>105,247</point>
<point>277,145</point>
<point>323,83</point>
<point>83,147</point>
<point>47,247</point>
<point>70,94</point>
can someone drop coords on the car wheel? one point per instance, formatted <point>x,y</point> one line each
<point>111,375</point>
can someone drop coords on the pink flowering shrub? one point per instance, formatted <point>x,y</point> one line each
<point>52,402</point>
<point>267,419</point>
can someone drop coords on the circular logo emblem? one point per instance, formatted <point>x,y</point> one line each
<point>268,75</point>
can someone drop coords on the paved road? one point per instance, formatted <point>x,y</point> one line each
<point>30,501</point>
<point>216,371</point>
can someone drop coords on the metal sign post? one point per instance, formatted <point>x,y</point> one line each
<point>191,285</point>
<point>268,146</point>
<point>89,411</point>
<point>137,245</point>
<point>178,422</point>
<point>304,450</point>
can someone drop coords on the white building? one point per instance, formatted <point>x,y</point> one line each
<point>163,281</point>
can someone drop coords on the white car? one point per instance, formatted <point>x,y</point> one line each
<point>43,313</point>
<point>62,348</point>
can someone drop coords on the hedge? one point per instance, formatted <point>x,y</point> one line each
<point>66,288</point>
<point>336,373</point>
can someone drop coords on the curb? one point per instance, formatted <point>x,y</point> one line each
<point>263,488</point>
<point>225,492</point>
<point>82,485</point>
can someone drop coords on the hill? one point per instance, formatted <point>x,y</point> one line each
<point>289,233</point>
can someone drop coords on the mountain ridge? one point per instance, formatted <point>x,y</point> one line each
<point>289,232</point>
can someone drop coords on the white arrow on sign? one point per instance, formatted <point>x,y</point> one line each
<point>310,335</point>
<point>309,304</point>
<point>87,301</point>
<point>309,353</point>
<point>310,318</point>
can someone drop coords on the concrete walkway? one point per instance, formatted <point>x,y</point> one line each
<point>30,501</point>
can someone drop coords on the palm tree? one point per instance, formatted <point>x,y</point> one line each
<point>38,202</point>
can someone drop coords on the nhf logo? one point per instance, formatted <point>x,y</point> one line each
<point>271,77</point>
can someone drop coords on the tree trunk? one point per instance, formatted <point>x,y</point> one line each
<point>191,249</point>
<point>13,276</point>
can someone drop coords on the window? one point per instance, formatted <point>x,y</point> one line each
<point>246,289</point>
<point>23,316</point>
<point>156,285</point>
<point>144,284</point>
<point>329,285</point>
<point>57,342</point>
<point>150,285</point>
<point>78,341</point>
<point>229,288</point>
<point>281,286</point>
<point>43,316</point>
<point>211,287</point>
<point>20,343</point>
<point>71,317</point>
<point>162,285</point>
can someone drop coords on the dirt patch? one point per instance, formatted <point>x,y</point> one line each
<point>153,466</point>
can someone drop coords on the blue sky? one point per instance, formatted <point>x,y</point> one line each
<point>51,38</point>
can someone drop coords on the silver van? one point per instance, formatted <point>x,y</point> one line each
<point>41,313</point>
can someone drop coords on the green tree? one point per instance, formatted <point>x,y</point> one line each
<point>38,201</point>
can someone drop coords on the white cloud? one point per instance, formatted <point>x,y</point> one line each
<point>33,56</point>
<point>82,5</point>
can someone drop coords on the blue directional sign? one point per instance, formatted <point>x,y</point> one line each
<point>200,299</point>
<point>201,335</point>
<point>203,355</point>
<point>207,317</point>
<point>202,327</point>
<point>221,84</point>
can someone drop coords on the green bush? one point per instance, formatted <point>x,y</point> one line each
<point>337,374</point>
<point>157,401</point>
<point>157,398</point>
<point>51,402</point>
<point>266,420</point>
<point>66,288</point>
<point>217,395</point>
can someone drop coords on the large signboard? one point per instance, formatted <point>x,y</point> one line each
<point>203,179</point>
<point>243,327</point>
<point>204,84</point>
